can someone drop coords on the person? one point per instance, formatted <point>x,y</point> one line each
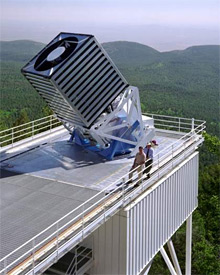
<point>154,143</point>
<point>149,159</point>
<point>139,161</point>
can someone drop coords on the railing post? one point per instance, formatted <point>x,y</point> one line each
<point>83,216</point>
<point>142,177</point>
<point>57,239</point>
<point>184,149</point>
<point>179,124</point>
<point>172,156</point>
<point>32,129</point>
<point>33,254</point>
<point>123,190</point>
<point>104,212</point>
<point>193,124</point>
<point>5,266</point>
<point>158,165</point>
<point>12,136</point>
<point>51,123</point>
<point>104,208</point>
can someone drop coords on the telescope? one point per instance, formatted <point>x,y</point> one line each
<point>89,95</point>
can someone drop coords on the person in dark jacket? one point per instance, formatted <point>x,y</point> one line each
<point>149,159</point>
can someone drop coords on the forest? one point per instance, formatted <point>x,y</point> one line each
<point>178,83</point>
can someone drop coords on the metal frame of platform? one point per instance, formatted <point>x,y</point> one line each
<point>108,201</point>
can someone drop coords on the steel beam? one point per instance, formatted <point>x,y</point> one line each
<point>174,257</point>
<point>146,270</point>
<point>167,261</point>
<point>188,244</point>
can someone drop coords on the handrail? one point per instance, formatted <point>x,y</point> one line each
<point>28,133</point>
<point>9,137</point>
<point>163,120</point>
<point>153,115</point>
<point>30,127</point>
<point>195,132</point>
<point>52,122</point>
<point>29,122</point>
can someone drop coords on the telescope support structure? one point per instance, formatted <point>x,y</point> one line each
<point>119,130</point>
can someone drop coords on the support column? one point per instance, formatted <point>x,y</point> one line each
<point>168,262</point>
<point>188,244</point>
<point>174,257</point>
<point>146,270</point>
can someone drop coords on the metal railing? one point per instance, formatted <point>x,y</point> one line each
<point>31,130</point>
<point>81,254</point>
<point>109,200</point>
<point>34,128</point>
<point>171,123</point>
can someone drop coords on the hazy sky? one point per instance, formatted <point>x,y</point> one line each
<point>163,24</point>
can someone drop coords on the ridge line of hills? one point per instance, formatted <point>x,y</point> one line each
<point>21,50</point>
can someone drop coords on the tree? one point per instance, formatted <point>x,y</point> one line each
<point>22,118</point>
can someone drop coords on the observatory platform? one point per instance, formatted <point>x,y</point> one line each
<point>66,162</point>
<point>61,185</point>
<point>53,184</point>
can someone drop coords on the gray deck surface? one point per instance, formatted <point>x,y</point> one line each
<point>40,186</point>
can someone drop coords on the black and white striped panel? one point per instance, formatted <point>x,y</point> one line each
<point>89,81</point>
<point>84,82</point>
<point>54,99</point>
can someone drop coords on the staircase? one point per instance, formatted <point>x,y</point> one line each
<point>77,261</point>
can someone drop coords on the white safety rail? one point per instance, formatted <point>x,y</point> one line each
<point>30,130</point>
<point>178,124</point>
<point>53,242</point>
<point>83,256</point>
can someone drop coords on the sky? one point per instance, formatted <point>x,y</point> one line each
<point>162,24</point>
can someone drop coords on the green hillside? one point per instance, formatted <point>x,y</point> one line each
<point>131,54</point>
<point>173,83</point>
<point>19,51</point>
<point>181,83</point>
<point>18,98</point>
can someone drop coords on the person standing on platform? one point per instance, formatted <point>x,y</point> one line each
<point>154,143</point>
<point>149,159</point>
<point>139,161</point>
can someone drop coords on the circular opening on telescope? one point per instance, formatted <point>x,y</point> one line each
<point>56,53</point>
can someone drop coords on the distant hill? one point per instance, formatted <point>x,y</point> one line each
<point>130,53</point>
<point>135,54</point>
<point>20,50</point>
<point>183,82</point>
<point>123,53</point>
<point>208,53</point>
